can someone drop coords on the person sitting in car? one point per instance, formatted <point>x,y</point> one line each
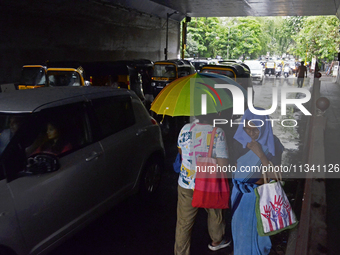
<point>7,134</point>
<point>56,142</point>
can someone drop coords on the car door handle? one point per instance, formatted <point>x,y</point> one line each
<point>94,156</point>
<point>141,131</point>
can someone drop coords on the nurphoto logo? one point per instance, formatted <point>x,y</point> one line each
<point>238,104</point>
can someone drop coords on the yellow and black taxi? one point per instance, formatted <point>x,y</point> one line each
<point>166,71</point>
<point>58,76</point>
<point>270,68</point>
<point>32,76</point>
<point>65,73</point>
<point>236,71</point>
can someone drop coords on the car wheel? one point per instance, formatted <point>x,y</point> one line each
<point>151,176</point>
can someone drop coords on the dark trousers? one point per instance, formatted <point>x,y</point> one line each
<point>300,82</point>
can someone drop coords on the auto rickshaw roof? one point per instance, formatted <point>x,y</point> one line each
<point>237,68</point>
<point>177,62</point>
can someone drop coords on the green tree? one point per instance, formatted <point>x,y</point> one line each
<point>255,36</point>
<point>318,37</point>
<point>204,32</point>
<point>246,40</point>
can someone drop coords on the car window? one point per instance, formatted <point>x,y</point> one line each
<point>113,114</point>
<point>58,131</point>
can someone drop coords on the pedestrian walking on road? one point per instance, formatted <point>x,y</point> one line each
<point>300,73</point>
<point>254,146</point>
<point>194,141</point>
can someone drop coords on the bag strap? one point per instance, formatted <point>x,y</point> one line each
<point>278,175</point>
<point>212,142</point>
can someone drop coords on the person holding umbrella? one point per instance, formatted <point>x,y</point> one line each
<point>194,141</point>
<point>186,96</point>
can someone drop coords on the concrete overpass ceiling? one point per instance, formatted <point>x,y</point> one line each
<point>191,8</point>
<point>233,8</point>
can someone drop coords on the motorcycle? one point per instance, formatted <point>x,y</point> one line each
<point>278,71</point>
<point>286,71</point>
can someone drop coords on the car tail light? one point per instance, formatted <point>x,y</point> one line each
<point>153,121</point>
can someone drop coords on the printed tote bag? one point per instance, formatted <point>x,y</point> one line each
<point>273,210</point>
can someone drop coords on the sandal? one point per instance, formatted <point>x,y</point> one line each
<point>224,243</point>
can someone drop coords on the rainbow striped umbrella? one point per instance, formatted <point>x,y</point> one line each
<point>194,95</point>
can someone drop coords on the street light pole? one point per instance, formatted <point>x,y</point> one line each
<point>168,15</point>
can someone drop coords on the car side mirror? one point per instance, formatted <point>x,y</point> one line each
<point>41,163</point>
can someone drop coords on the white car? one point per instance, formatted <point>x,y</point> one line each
<point>68,155</point>
<point>256,70</point>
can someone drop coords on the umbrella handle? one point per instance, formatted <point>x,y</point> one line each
<point>163,115</point>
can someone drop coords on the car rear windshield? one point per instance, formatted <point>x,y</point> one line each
<point>32,76</point>
<point>63,78</point>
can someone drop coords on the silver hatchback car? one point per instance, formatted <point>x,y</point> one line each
<point>67,155</point>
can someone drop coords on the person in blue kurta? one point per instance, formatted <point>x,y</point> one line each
<point>254,145</point>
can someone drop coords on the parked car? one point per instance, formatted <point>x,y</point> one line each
<point>69,154</point>
<point>256,70</point>
<point>166,71</point>
<point>32,76</point>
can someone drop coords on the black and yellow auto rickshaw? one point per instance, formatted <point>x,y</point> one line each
<point>57,76</point>
<point>32,76</point>
<point>270,68</point>
<point>66,73</point>
<point>124,72</point>
<point>167,71</point>
<point>237,71</point>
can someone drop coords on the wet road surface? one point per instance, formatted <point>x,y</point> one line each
<point>146,225</point>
